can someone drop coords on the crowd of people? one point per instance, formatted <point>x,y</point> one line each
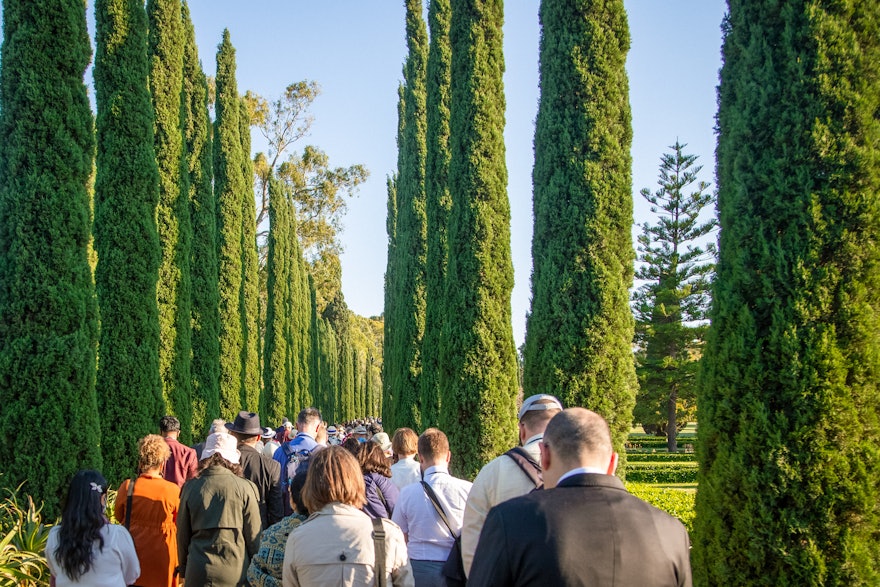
<point>317,504</point>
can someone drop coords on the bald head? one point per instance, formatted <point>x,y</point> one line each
<point>577,438</point>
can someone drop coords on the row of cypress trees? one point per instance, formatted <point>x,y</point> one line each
<point>450,358</point>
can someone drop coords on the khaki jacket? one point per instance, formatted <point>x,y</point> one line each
<point>335,548</point>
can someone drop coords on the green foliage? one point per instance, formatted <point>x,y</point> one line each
<point>438,204</point>
<point>681,472</point>
<point>407,324</point>
<point>788,403</point>
<point>230,185</point>
<point>205,318</point>
<point>174,288</point>
<point>389,393</point>
<point>478,356</point>
<point>250,280</point>
<point>659,457</point>
<point>23,538</point>
<point>672,501</point>
<point>580,329</point>
<point>671,308</point>
<point>126,195</point>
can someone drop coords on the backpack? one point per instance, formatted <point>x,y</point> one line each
<point>528,466</point>
<point>297,459</point>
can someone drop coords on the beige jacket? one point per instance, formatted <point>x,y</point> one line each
<point>335,548</point>
<point>501,479</point>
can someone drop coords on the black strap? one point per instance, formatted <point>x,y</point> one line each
<point>436,502</point>
<point>527,465</point>
<point>384,501</point>
<point>128,502</point>
<point>379,544</point>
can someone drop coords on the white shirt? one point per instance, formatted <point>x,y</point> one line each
<point>405,471</point>
<point>427,535</point>
<point>580,471</point>
<point>115,564</point>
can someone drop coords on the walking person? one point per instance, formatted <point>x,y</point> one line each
<point>263,471</point>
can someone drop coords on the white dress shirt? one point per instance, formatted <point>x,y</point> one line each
<point>405,471</point>
<point>428,537</point>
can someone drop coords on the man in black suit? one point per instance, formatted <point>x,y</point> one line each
<point>263,471</point>
<point>584,528</point>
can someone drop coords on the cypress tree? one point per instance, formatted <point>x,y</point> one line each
<point>229,184</point>
<point>408,286</point>
<point>174,289</point>
<point>478,356</point>
<point>274,399</point>
<point>48,312</point>
<point>205,367</point>
<point>788,402</point>
<point>126,240</point>
<point>301,335</point>
<point>580,329</point>
<point>250,280</point>
<point>437,204</point>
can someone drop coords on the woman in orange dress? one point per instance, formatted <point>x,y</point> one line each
<point>154,506</point>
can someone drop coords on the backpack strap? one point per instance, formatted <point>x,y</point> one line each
<point>436,503</point>
<point>379,544</point>
<point>384,501</point>
<point>528,466</point>
<point>128,502</point>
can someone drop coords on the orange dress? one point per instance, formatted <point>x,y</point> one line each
<point>153,527</point>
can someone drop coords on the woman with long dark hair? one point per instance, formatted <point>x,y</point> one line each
<point>381,493</point>
<point>85,549</point>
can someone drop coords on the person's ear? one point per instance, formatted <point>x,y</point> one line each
<point>612,464</point>
<point>448,457</point>
<point>545,456</point>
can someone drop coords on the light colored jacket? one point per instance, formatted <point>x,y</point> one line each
<point>501,479</point>
<point>335,548</point>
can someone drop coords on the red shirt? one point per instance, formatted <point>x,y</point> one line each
<point>181,465</point>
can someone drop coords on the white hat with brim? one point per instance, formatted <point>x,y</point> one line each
<point>225,445</point>
<point>547,402</point>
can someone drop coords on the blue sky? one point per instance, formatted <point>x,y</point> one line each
<point>355,50</point>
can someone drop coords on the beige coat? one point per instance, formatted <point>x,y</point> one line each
<point>335,548</point>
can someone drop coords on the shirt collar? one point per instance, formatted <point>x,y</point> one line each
<point>436,469</point>
<point>580,471</point>
<point>533,439</point>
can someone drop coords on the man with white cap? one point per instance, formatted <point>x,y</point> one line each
<point>515,473</point>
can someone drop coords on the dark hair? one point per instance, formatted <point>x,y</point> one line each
<point>352,444</point>
<point>81,521</point>
<point>309,416</point>
<point>217,459</point>
<point>372,459</point>
<point>169,424</point>
<point>296,487</point>
<point>539,418</point>
<point>432,444</point>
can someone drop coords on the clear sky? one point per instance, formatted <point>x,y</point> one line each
<point>355,50</point>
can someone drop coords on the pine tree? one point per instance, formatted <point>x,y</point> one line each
<point>478,356</point>
<point>408,287</point>
<point>276,377</point>
<point>229,185</point>
<point>205,318</point>
<point>126,240</point>
<point>788,401</point>
<point>250,280</point>
<point>48,313</point>
<point>671,308</point>
<point>174,289</point>
<point>580,329</point>
<point>437,205</point>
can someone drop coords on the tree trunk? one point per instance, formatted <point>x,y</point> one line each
<point>672,424</point>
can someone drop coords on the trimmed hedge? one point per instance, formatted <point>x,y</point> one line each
<point>675,502</point>
<point>660,457</point>
<point>662,473</point>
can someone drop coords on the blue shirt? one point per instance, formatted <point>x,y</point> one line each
<point>303,441</point>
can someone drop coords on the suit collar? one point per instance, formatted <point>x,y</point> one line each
<point>592,480</point>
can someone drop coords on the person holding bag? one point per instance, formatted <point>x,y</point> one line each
<point>148,505</point>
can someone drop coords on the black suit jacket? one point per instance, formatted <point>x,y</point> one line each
<point>265,473</point>
<point>586,531</point>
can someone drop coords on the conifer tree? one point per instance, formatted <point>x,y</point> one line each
<point>126,240</point>
<point>48,313</point>
<point>274,399</point>
<point>580,329</point>
<point>205,318</point>
<point>478,356</point>
<point>788,401</point>
<point>408,287</point>
<point>174,289</point>
<point>229,186</point>
<point>390,368</point>
<point>250,279</point>
<point>301,322</point>
<point>437,204</point>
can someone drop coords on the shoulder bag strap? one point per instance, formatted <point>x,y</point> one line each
<point>128,502</point>
<point>528,466</point>
<point>384,501</point>
<point>379,544</point>
<point>436,503</point>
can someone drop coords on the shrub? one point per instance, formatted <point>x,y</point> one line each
<point>22,544</point>
<point>675,502</point>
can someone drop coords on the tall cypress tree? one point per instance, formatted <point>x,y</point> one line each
<point>437,204</point>
<point>48,313</point>
<point>478,356</point>
<point>276,364</point>
<point>126,240</point>
<point>250,279</point>
<point>408,286</point>
<point>390,369</point>
<point>203,214</point>
<point>788,403</point>
<point>580,328</point>
<point>229,185</point>
<point>301,321</point>
<point>174,289</point>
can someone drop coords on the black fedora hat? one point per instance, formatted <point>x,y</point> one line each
<point>247,423</point>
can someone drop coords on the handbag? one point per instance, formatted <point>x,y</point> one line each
<point>453,568</point>
<point>128,506</point>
